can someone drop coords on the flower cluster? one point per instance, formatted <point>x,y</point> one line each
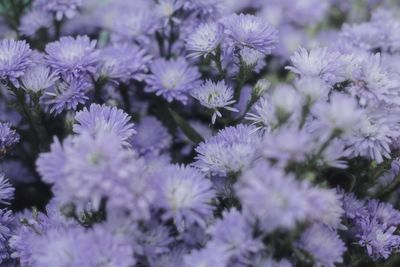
<point>199,133</point>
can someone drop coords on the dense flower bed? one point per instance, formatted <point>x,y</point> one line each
<point>199,133</point>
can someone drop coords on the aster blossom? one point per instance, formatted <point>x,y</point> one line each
<point>229,151</point>
<point>205,39</point>
<point>213,96</point>
<point>6,190</point>
<point>72,56</point>
<point>38,78</point>
<point>185,195</point>
<point>172,79</point>
<point>123,62</point>
<point>250,31</point>
<point>66,94</point>
<point>323,244</point>
<point>8,136</point>
<point>320,63</point>
<point>61,8</point>
<point>99,119</point>
<point>16,57</point>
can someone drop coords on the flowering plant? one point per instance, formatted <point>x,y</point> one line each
<point>199,133</point>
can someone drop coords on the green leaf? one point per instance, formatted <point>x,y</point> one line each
<point>188,130</point>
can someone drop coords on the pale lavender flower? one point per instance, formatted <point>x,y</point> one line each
<point>8,137</point>
<point>33,21</point>
<point>100,119</point>
<point>205,39</point>
<point>214,256</point>
<point>252,59</point>
<point>185,195</point>
<point>365,36</point>
<point>276,108</point>
<point>172,79</point>
<point>135,23</point>
<point>97,167</point>
<point>110,249</point>
<point>379,240</point>
<point>373,134</point>
<point>323,244</point>
<point>155,240</point>
<point>383,213</point>
<point>123,62</point>
<point>326,207</point>
<point>353,207</point>
<point>319,63</point>
<point>152,137</point>
<point>306,12</point>
<point>61,8</point>
<point>203,7</point>
<point>282,197</point>
<point>50,164</point>
<point>166,9</point>
<point>73,56</point>
<point>287,144</point>
<point>60,247</point>
<point>372,82</point>
<point>66,95</point>
<point>15,58</point>
<point>8,225</point>
<point>338,116</point>
<point>269,262</point>
<point>229,151</point>
<point>234,234</point>
<point>38,78</point>
<point>6,190</point>
<point>215,96</point>
<point>250,31</point>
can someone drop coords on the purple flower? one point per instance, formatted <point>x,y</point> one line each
<point>229,151</point>
<point>287,144</point>
<point>372,136</point>
<point>50,164</point>
<point>8,137</point>
<point>372,82</point>
<point>33,21</point>
<point>379,239</point>
<point>383,213</point>
<point>185,195</point>
<point>203,7</point>
<point>319,63</point>
<point>215,96</point>
<point>353,207</point>
<point>15,58</point>
<point>205,39</point>
<point>135,23</point>
<point>61,8</point>
<point>38,78</point>
<point>66,95</point>
<point>6,190</point>
<point>152,137</point>
<point>172,79</point>
<point>214,256</point>
<point>283,198</point>
<point>234,234</point>
<point>97,167</point>
<point>123,62</point>
<point>250,31</point>
<point>73,56</point>
<point>100,119</point>
<point>7,228</point>
<point>323,244</point>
